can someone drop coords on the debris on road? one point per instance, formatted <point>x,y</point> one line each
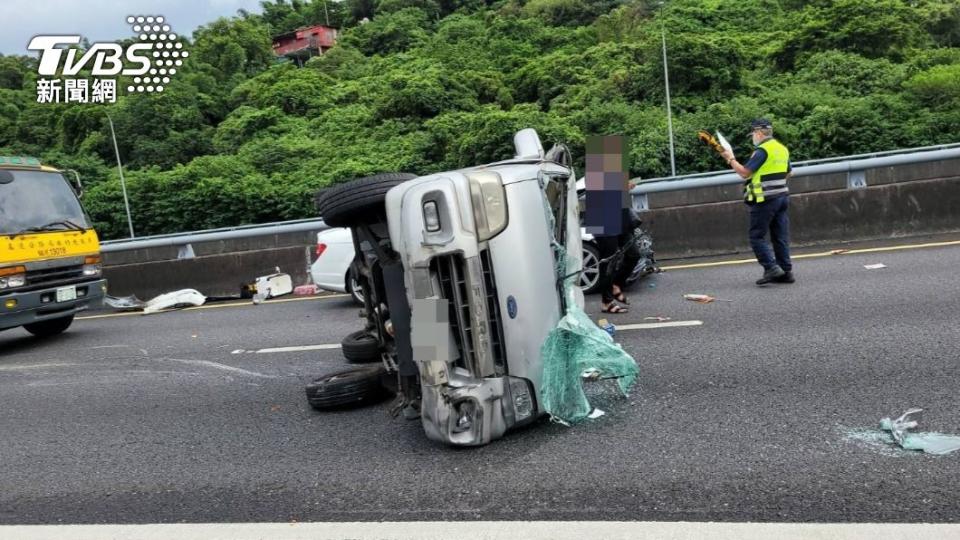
<point>174,300</point>
<point>591,373</point>
<point>703,298</point>
<point>124,303</point>
<point>930,443</point>
<point>876,266</point>
<point>608,326</point>
<point>596,413</point>
<point>271,286</point>
<point>306,290</point>
<point>838,251</point>
<point>658,319</point>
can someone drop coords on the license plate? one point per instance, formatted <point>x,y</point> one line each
<point>65,294</point>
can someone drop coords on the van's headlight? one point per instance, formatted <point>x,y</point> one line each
<point>92,266</point>
<point>489,204</point>
<point>431,216</point>
<point>13,276</point>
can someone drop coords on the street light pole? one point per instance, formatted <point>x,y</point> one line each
<point>666,83</point>
<point>123,183</point>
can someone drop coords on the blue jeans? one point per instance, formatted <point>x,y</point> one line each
<point>771,215</point>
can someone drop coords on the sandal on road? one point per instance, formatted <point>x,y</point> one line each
<point>613,308</point>
<point>622,298</point>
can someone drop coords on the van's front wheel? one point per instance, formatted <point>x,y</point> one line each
<point>49,327</point>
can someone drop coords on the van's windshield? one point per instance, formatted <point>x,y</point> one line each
<point>38,201</point>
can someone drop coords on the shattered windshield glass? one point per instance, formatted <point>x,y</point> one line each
<point>38,201</point>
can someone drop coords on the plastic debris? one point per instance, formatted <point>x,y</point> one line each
<point>703,298</point>
<point>608,326</point>
<point>874,266</point>
<point>271,286</point>
<point>658,319</point>
<point>174,300</point>
<point>306,290</point>
<point>124,303</point>
<point>930,443</point>
<point>596,413</point>
<point>592,374</point>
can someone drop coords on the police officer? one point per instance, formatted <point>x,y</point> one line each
<point>766,193</point>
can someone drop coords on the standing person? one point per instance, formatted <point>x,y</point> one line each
<point>609,216</point>
<point>766,193</point>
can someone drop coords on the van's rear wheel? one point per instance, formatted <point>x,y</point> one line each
<point>358,201</point>
<point>49,327</point>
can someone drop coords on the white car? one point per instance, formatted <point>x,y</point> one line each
<point>331,270</point>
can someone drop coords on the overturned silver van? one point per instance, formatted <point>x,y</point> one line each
<point>463,274</point>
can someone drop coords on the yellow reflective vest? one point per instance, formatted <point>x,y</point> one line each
<point>770,180</point>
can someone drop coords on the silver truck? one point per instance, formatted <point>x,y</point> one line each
<point>463,277</point>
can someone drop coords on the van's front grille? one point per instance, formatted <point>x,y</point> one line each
<point>497,343</point>
<point>451,272</point>
<point>54,276</point>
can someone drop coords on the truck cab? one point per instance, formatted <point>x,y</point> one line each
<point>50,267</point>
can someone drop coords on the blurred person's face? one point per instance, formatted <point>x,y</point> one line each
<point>607,181</point>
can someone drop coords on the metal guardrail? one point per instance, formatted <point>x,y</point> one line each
<point>854,169</point>
<point>853,166</point>
<point>184,241</point>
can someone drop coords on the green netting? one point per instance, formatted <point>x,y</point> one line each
<point>575,345</point>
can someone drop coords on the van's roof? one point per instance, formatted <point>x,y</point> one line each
<point>24,162</point>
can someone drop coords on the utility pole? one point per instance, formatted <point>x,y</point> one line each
<point>123,183</point>
<point>666,83</point>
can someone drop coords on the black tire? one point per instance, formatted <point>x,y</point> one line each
<point>590,277</point>
<point>358,201</point>
<point>361,347</point>
<point>346,388</point>
<point>353,288</point>
<point>50,327</point>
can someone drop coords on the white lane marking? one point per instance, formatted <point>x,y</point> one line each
<point>487,530</point>
<point>646,326</point>
<point>35,366</point>
<point>288,349</point>
<point>223,367</point>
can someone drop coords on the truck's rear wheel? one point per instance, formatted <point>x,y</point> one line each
<point>358,201</point>
<point>347,388</point>
<point>50,327</point>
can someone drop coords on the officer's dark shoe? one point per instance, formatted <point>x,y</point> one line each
<point>771,275</point>
<point>787,277</point>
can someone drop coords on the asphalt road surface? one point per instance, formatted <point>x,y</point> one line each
<point>747,417</point>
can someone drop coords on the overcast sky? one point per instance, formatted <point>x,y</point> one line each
<point>103,20</point>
